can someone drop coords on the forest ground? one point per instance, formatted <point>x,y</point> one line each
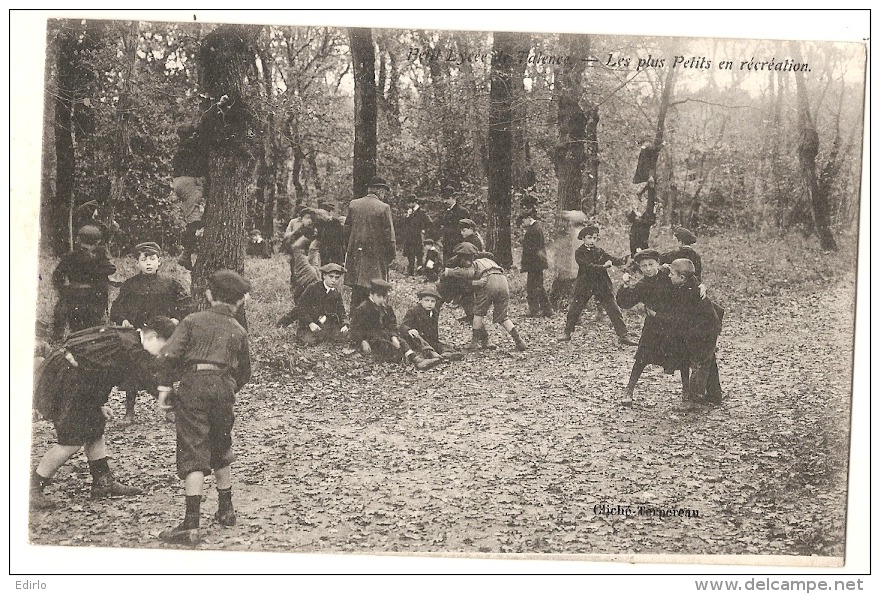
<point>510,452</point>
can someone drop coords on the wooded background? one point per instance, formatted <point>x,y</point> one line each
<point>315,111</point>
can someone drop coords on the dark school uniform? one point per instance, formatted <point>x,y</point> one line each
<point>655,292</point>
<point>203,406</point>
<point>315,303</point>
<point>72,396</point>
<point>639,230</point>
<point>427,324</point>
<point>593,280</point>
<point>433,264</point>
<point>377,325</point>
<point>414,225</point>
<point>534,263</point>
<point>145,296</point>
<point>331,241</point>
<point>476,240</point>
<point>81,281</point>
<point>686,252</point>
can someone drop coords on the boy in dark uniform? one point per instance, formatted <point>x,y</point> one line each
<point>420,329</point>
<point>320,310</point>
<point>450,221</point>
<point>593,280</point>
<point>210,350</point>
<point>81,281</point>
<point>72,387</point>
<point>433,261</point>
<point>144,296</point>
<point>374,325</point>
<point>415,224</point>
<point>257,246</point>
<point>684,250</point>
<point>534,263</point>
<point>469,234</point>
<point>330,235</point>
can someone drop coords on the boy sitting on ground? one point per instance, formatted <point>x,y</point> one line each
<point>320,310</point>
<point>420,330</point>
<point>143,297</point>
<point>374,326</point>
<point>491,290</point>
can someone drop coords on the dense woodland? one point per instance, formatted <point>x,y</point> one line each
<point>316,111</point>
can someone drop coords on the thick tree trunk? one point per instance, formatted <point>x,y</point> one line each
<point>363,57</point>
<point>571,156</point>
<point>504,68</point>
<point>226,58</point>
<point>264,216</point>
<point>65,159</point>
<point>808,149</point>
<point>591,182</point>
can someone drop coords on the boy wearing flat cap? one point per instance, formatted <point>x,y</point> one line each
<point>82,284</point>
<point>320,311</point>
<point>593,280</point>
<point>469,234</point>
<point>374,325</point>
<point>491,290</point>
<point>684,250</point>
<point>420,329</point>
<point>415,225</point>
<point>144,296</point>
<point>209,353</point>
<point>257,246</point>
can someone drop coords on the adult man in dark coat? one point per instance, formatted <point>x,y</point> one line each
<point>371,241</point>
<point>534,263</point>
<point>412,234</point>
<point>450,222</point>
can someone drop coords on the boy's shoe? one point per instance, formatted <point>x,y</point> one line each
<point>425,361</point>
<point>107,486</point>
<point>452,356</point>
<point>626,340</point>
<point>564,337</point>
<point>226,517</point>
<point>627,399</point>
<point>40,500</point>
<point>181,535</point>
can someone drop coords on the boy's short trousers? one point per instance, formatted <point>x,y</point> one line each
<point>81,423</point>
<point>496,293</point>
<point>204,418</point>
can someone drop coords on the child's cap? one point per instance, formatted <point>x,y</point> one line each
<point>428,241</point>
<point>256,232</point>
<point>588,230</point>
<point>465,248</point>
<point>467,224</point>
<point>89,234</point>
<point>683,266</point>
<point>147,248</point>
<point>685,236</point>
<point>332,267</point>
<point>428,291</point>
<point>161,325</point>
<point>647,255</point>
<point>230,282</point>
<point>380,286</point>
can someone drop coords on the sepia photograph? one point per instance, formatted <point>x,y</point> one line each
<point>319,285</point>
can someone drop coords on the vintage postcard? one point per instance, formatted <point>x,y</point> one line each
<point>437,288</point>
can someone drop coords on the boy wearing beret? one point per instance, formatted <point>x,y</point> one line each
<point>374,325</point>
<point>534,263</point>
<point>209,352</point>
<point>82,283</point>
<point>144,296</point>
<point>320,310</point>
<point>420,329</point>
<point>491,290</point>
<point>684,250</point>
<point>257,246</point>
<point>71,389</point>
<point>593,280</point>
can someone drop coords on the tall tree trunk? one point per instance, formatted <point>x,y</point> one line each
<point>572,121</point>
<point>265,193</point>
<point>591,182</point>
<point>122,136</point>
<point>504,69</point>
<point>808,149</point>
<point>226,58</point>
<point>363,57</point>
<point>65,158</point>
<point>665,97</point>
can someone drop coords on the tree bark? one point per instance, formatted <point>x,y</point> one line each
<point>363,57</point>
<point>504,68</point>
<point>571,155</point>
<point>226,59</point>
<point>264,216</point>
<point>591,182</point>
<point>65,158</point>
<point>808,149</point>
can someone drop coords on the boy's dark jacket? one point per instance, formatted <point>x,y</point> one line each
<point>691,324</point>
<point>534,250</point>
<point>412,226</point>
<point>145,296</point>
<point>370,321</point>
<point>81,270</point>
<point>424,321</point>
<point>316,301</point>
<point>590,265</point>
<point>656,293</point>
<point>686,252</point>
